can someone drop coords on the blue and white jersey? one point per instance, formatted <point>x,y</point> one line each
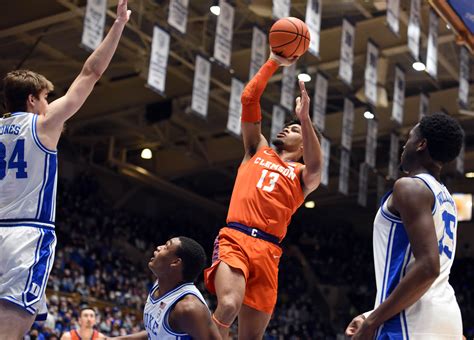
<point>436,315</point>
<point>28,173</point>
<point>156,312</point>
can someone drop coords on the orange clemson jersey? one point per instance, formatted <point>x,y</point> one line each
<point>266,193</point>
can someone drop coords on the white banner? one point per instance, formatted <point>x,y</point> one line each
<point>202,80</point>
<point>363,184</point>
<point>394,162</point>
<point>398,95</point>
<point>259,51</point>
<point>313,21</point>
<point>414,29</point>
<point>224,32</point>
<point>347,124</point>
<point>432,49</point>
<point>235,107</point>
<point>281,8</point>
<point>464,78</point>
<point>94,23</point>
<point>460,160</point>
<point>326,149</point>
<point>159,60</point>
<point>393,14</point>
<point>320,100</point>
<point>278,120</point>
<point>371,73</point>
<point>178,14</point>
<point>371,143</point>
<point>344,172</point>
<point>346,60</point>
<point>424,105</point>
<point>287,99</point>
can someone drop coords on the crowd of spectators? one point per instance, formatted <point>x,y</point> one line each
<point>92,266</point>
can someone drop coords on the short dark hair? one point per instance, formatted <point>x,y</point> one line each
<point>86,308</point>
<point>444,135</point>
<point>19,84</point>
<point>193,256</point>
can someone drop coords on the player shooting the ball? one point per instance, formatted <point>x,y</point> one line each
<point>271,184</point>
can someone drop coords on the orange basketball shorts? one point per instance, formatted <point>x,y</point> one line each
<point>257,259</point>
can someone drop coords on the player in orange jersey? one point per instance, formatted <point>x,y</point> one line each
<point>87,321</point>
<point>270,186</point>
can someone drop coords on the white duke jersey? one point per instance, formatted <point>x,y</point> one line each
<point>156,312</point>
<point>28,173</point>
<point>436,314</point>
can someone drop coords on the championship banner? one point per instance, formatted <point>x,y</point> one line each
<point>287,99</point>
<point>344,172</point>
<point>159,60</point>
<point>281,8</point>
<point>202,80</point>
<point>259,51</point>
<point>394,161</point>
<point>371,73</point>
<point>432,49</point>
<point>393,15</point>
<point>398,95</point>
<point>460,160</point>
<point>224,32</point>
<point>464,78</point>
<point>347,124</point>
<point>326,149</point>
<point>371,142</point>
<point>94,23</point>
<point>346,60</point>
<point>278,120</point>
<point>414,29</point>
<point>363,184</point>
<point>424,105</point>
<point>320,99</point>
<point>313,21</point>
<point>178,14</point>
<point>235,107</point>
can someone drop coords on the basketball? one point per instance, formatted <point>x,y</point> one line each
<point>289,37</point>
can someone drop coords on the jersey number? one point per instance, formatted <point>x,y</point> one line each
<point>273,179</point>
<point>16,161</point>
<point>444,244</point>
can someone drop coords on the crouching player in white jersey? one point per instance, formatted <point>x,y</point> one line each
<point>175,308</point>
<point>29,135</point>
<point>415,242</point>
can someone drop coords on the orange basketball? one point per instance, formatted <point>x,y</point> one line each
<point>289,37</point>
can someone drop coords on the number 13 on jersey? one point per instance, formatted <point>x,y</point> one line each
<point>273,178</point>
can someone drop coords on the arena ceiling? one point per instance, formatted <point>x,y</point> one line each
<point>196,159</point>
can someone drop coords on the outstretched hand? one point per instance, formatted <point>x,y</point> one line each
<point>302,103</point>
<point>123,14</point>
<point>282,61</point>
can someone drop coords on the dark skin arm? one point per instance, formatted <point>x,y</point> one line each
<point>412,201</point>
<point>191,316</point>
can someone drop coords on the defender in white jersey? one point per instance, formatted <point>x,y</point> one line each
<point>29,135</point>
<point>175,308</point>
<point>415,242</point>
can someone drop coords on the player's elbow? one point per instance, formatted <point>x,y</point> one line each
<point>91,72</point>
<point>430,268</point>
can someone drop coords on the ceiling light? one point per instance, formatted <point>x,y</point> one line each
<point>303,76</point>
<point>469,174</point>
<point>369,115</point>
<point>309,204</point>
<point>418,66</point>
<point>146,153</point>
<point>215,9</point>
<point>448,27</point>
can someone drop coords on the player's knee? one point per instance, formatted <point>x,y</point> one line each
<point>229,305</point>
